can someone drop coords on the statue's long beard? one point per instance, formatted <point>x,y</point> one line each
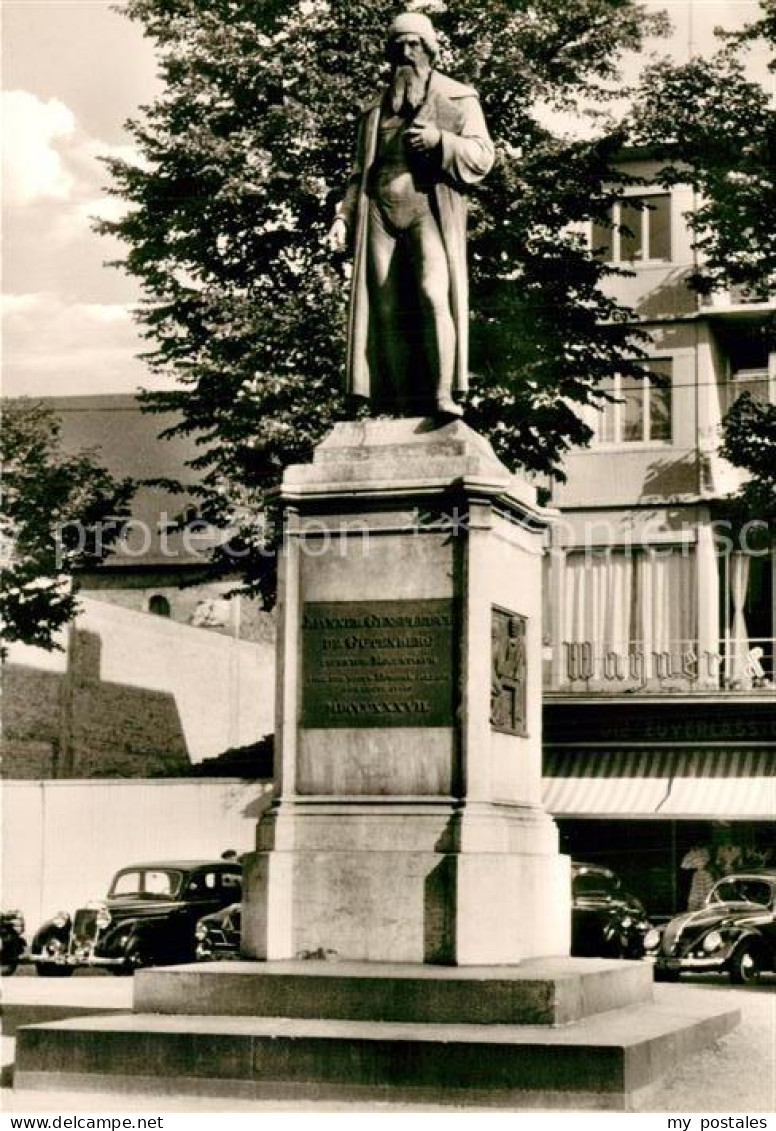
<point>408,87</point>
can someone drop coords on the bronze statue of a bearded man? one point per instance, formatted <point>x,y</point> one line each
<point>422,143</point>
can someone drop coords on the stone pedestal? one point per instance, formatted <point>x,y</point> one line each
<point>407,835</point>
<point>568,1033</point>
<point>407,824</point>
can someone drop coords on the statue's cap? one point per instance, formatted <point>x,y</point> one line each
<point>415,23</point>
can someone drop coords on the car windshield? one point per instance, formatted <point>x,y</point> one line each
<point>740,889</point>
<point>153,883</point>
<point>594,883</point>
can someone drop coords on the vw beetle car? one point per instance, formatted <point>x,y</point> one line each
<point>733,933</point>
<point>12,942</point>
<point>148,918</point>
<point>606,922</point>
<point>218,935</point>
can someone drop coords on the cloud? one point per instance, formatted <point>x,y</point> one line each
<point>101,207</point>
<point>35,135</point>
<point>55,347</point>
<point>53,169</point>
<point>68,327</point>
<point>54,188</point>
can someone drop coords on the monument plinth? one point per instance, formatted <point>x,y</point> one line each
<point>407,825</point>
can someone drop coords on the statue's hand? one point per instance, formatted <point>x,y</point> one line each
<point>421,139</point>
<point>338,235</point>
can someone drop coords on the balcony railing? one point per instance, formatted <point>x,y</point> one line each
<point>677,667</point>
<point>732,299</point>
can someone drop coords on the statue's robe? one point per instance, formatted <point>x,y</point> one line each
<point>465,157</point>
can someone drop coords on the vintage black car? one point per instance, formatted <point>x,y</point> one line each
<point>12,942</point>
<point>606,922</point>
<point>734,933</point>
<point>218,935</point>
<point>148,918</point>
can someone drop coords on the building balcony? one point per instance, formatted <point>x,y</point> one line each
<point>582,668</point>
<point>736,303</point>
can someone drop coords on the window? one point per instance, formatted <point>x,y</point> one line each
<point>641,410</point>
<point>752,370</point>
<point>160,883</point>
<point>148,882</point>
<point>159,605</point>
<point>589,883</point>
<point>743,890</point>
<point>628,617</point>
<point>748,607</point>
<point>640,229</point>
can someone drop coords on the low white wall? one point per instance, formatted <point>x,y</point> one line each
<point>63,840</point>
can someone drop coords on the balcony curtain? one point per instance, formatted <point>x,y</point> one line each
<point>598,600</point>
<point>623,602</point>
<point>667,606</point>
<point>738,672</point>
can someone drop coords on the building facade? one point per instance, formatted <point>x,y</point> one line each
<point>659,671</point>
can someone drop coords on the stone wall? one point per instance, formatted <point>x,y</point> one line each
<point>132,695</point>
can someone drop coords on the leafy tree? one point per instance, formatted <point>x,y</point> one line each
<point>245,154</point>
<point>59,513</point>
<point>717,127</point>
<point>749,442</point>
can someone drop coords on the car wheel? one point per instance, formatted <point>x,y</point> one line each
<point>47,970</point>
<point>666,975</point>
<point>136,955</point>
<point>8,968</point>
<point>745,965</point>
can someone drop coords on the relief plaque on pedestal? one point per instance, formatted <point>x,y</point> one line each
<point>378,663</point>
<point>508,672</point>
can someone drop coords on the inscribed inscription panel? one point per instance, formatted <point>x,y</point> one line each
<point>378,663</point>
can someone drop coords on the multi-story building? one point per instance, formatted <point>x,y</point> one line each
<point>660,618</point>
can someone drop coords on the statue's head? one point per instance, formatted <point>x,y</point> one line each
<point>409,32</point>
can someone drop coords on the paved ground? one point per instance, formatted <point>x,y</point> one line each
<point>739,1075</point>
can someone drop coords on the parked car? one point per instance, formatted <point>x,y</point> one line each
<point>606,921</point>
<point>12,941</point>
<point>218,935</point>
<point>733,933</point>
<point>147,918</point>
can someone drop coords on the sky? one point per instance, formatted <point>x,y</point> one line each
<point>73,72</point>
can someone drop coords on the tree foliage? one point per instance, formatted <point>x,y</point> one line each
<point>749,442</point>
<point>243,157</point>
<point>717,125</point>
<point>59,513</point>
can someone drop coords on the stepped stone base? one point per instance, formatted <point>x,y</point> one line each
<point>548,991</point>
<point>596,1036</point>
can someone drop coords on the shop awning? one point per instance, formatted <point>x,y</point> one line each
<point>712,784</point>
